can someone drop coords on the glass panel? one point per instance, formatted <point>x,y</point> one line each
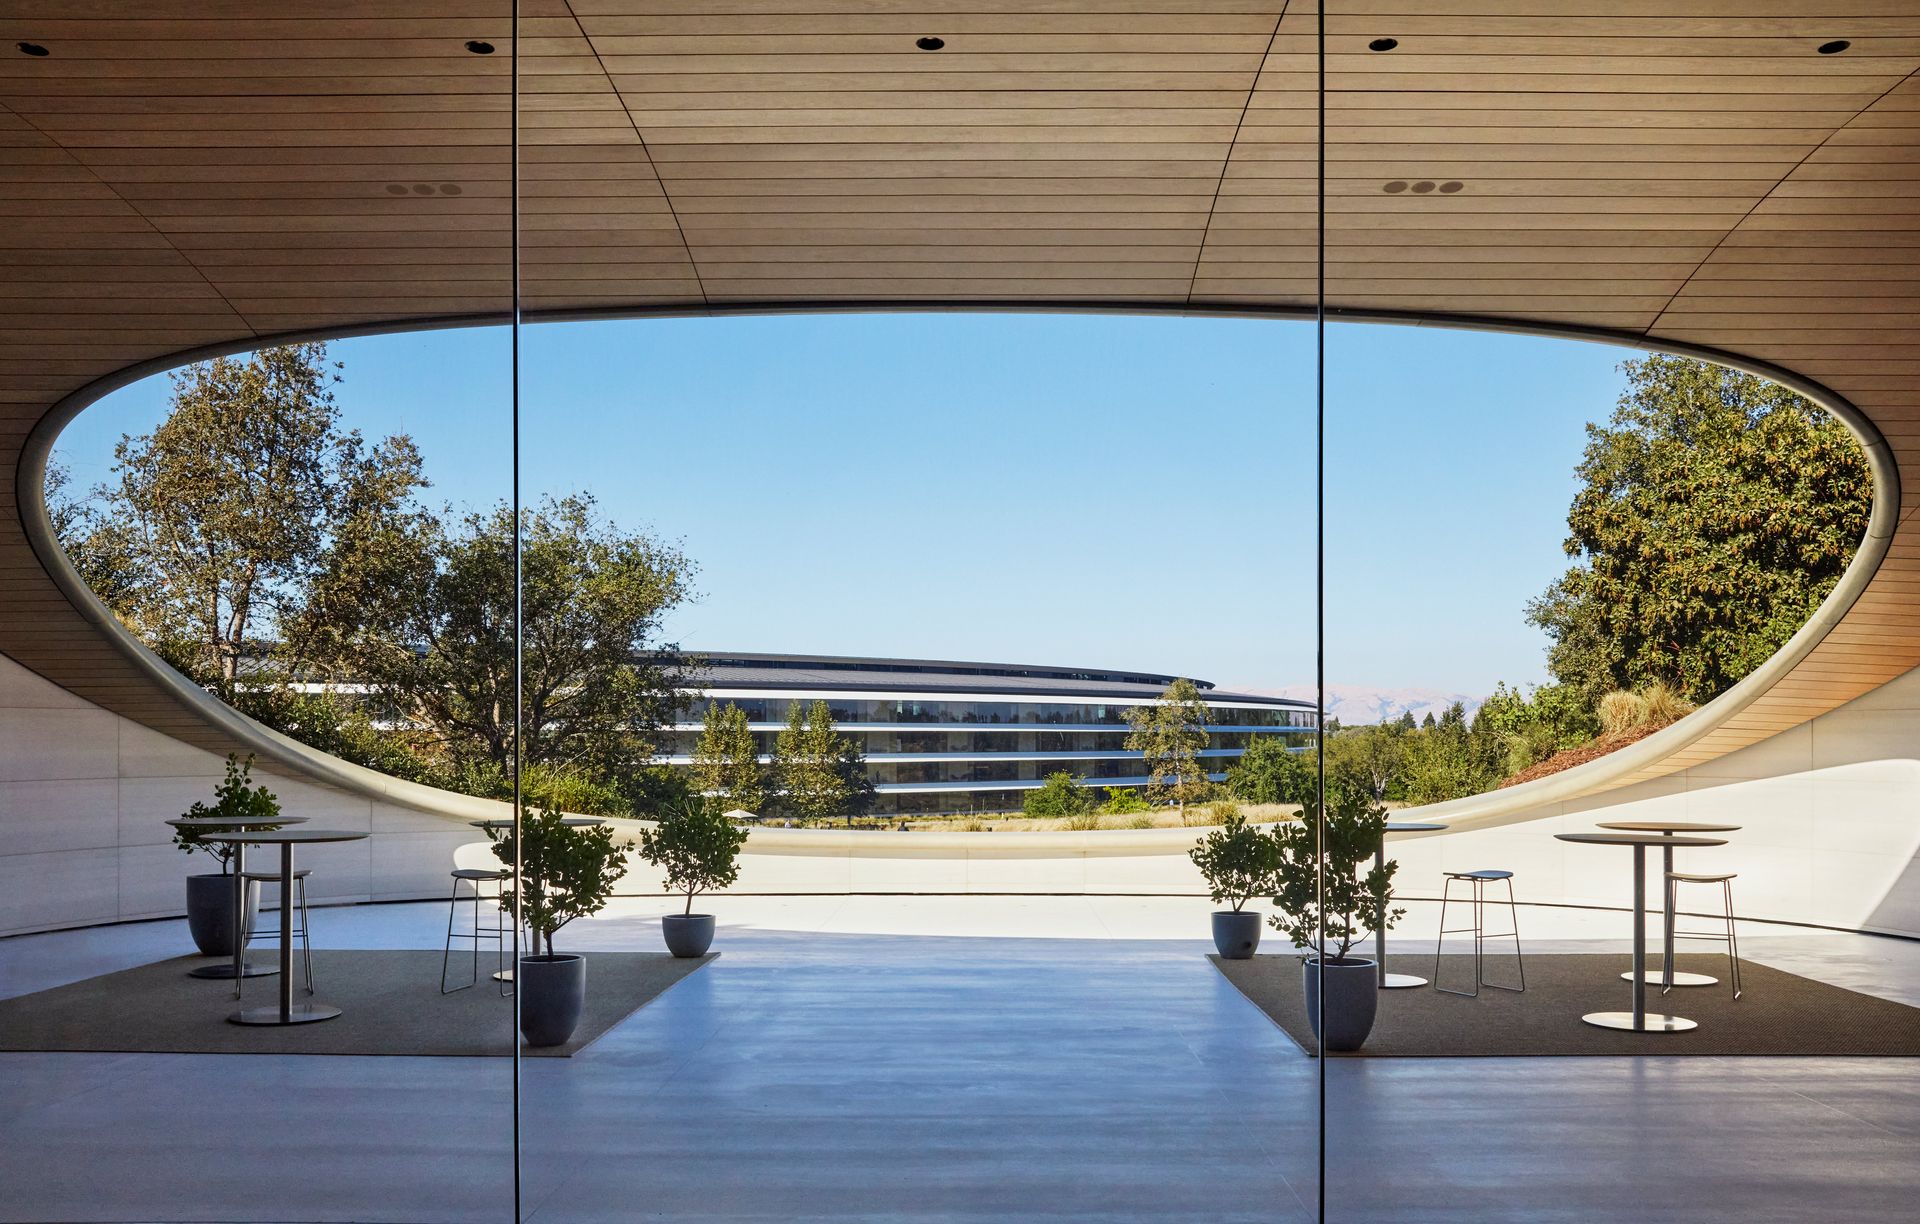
<point>275,527</point>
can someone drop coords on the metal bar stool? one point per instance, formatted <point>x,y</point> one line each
<point>300,909</point>
<point>474,878</point>
<point>1478,881</point>
<point>1732,939</point>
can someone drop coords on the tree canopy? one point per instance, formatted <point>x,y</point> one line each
<point>253,542</point>
<point>1716,511</point>
<point>1170,735</point>
<point>222,527</point>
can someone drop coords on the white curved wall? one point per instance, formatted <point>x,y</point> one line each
<point>1830,809</point>
<point>83,794</point>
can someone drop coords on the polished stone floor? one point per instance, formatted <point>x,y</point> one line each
<point>949,1059</point>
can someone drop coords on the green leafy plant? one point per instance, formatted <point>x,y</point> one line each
<point>1238,862</point>
<point>1355,823</point>
<point>698,848</point>
<point>1271,772</point>
<point>235,798</point>
<point>1125,801</point>
<point>1065,797</point>
<point>566,872</point>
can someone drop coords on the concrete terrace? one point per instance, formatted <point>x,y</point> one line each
<point>935,1059</point>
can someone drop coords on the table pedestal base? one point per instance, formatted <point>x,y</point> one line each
<point>1654,977</point>
<point>1653,1023</point>
<point>1401,981</point>
<point>224,971</point>
<point>301,1013</point>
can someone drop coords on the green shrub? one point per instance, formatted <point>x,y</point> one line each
<point>566,872</point>
<point>1237,861</point>
<point>1354,824</point>
<point>697,846</point>
<point>1124,801</point>
<point>1062,796</point>
<point>235,797</point>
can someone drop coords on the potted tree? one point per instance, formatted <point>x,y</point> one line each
<point>210,894</point>
<point>565,873</point>
<point>1355,822</point>
<point>698,847</point>
<point>1238,863</point>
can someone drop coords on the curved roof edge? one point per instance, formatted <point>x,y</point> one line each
<point>1478,811</point>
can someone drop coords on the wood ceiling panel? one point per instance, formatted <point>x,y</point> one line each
<point>185,171</point>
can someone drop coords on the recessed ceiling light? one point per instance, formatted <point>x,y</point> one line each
<point>423,189</point>
<point>1395,187</point>
<point>450,189</point>
<point>480,48</point>
<point>1383,44</point>
<point>1450,188</point>
<point>1833,48</point>
<point>396,189</point>
<point>27,48</point>
<point>930,43</point>
<point>1422,187</point>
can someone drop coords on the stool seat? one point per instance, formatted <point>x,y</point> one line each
<point>269,877</point>
<point>1477,882</point>
<point>1689,878</point>
<point>477,873</point>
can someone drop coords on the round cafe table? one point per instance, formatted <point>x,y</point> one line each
<point>1638,1020</point>
<point>1394,981</point>
<point>240,967</point>
<point>1668,976</point>
<point>285,1012</point>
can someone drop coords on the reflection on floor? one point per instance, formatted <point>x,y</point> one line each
<point>878,1058</point>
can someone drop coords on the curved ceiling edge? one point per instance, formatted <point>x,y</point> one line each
<point>1474,811</point>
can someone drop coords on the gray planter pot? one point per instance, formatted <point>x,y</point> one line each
<point>688,934</point>
<point>553,993</point>
<point>1353,996</point>
<point>1236,933</point>
<point>210,912</point>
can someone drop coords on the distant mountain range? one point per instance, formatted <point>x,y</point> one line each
<point>1357,704</point>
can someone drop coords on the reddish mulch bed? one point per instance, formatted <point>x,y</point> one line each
<point>1593,750</point>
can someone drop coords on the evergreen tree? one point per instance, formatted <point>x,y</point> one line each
<point>1169,735</point>
<point>813,764</point>
<point>726,762</point>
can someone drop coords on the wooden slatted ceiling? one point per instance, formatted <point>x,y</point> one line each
<point>182,172</point>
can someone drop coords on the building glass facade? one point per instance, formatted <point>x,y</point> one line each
<point>982,734</point>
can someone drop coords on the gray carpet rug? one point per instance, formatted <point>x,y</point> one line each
<point>1776,1013</point>
<point>390,1003</point>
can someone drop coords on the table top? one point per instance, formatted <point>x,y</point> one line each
<point>231,822</point>
<point>1638,839</point>
<point>572,822</point>
<point>1668,826</point>
<point>1413,826</point>
<point>287,837</point>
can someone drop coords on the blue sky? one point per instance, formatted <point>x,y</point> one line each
<point>1107,491</point>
